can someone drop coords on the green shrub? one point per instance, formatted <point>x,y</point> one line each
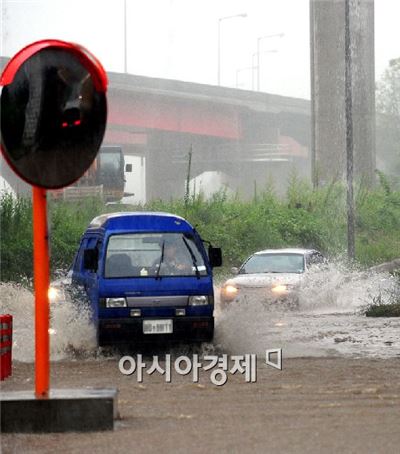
<point>384,307</point>
<point>384,310</point>
<point>305,217</point>
<point>16,238</point>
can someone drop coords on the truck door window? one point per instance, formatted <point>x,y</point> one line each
<point>92,243</point>
<point>78,263</point>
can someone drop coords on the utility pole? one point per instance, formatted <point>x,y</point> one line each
<point>349,134</point>
<point>187,189</point>
<point>219,41</point>
<point>125,41</point>
<point>259,39</point>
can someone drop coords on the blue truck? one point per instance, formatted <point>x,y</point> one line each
<point>148,277</point>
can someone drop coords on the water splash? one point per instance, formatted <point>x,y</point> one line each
<point>336,288</point>
<point>70,327</point>
<point>18,301</point>
<point>74,333</point>
<point>329,320</point>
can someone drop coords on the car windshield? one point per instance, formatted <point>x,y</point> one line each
<point>274,263</point>
<point>153,255</point>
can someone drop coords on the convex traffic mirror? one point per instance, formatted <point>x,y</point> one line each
<point>53,112</point>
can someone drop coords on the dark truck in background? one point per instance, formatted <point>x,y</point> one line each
<point>110,172</point>
<point>105,178</point>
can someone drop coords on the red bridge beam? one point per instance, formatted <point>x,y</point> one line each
<point>166,114</point>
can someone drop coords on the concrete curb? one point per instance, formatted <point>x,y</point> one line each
<point>66,410</point>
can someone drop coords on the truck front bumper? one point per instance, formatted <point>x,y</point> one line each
<point>185,329</point>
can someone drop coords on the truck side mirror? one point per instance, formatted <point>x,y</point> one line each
<point>91,259</point>
<point>215,256</point>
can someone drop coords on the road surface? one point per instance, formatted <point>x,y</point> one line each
<point>313,405</point>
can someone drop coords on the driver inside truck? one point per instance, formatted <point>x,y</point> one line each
<point>173,259</point>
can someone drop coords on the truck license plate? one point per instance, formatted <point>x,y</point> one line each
<point>157,326</point>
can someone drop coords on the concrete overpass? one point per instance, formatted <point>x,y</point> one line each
<point>248,135</point>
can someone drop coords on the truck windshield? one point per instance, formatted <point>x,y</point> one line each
<point>153,255</point>
<point>110,161</point>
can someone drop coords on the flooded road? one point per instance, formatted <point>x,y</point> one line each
<point>329,322</point>
<point>313,334</point>
<point>313,405</point>
<point>338,390</point>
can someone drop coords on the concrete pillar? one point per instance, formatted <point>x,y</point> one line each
<point>327,27</point>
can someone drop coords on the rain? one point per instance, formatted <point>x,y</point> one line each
<point>272,128</point>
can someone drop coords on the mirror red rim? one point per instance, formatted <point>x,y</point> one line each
<point>91,63</point>
<point>86,58</point>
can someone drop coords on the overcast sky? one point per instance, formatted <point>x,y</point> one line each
<point>178,39</point>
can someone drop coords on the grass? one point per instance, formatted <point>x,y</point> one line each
<point>304,218</point>
<point>387,304</point>
<point>383,310</point>
<point>388,307</point>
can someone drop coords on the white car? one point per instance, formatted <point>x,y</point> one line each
<point>271,276</point>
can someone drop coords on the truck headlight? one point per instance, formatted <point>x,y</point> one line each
<point>55,294</point>
<point>198,300</point>
<point>116,302</point>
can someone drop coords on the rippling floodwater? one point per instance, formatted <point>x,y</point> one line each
<point>329,322</point>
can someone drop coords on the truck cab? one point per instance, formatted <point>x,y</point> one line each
<point>148,277</point>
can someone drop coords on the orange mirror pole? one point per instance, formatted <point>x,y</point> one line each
<point>41,271</point>
<point>64,156</point>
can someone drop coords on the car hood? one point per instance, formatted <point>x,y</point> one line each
<point>265,279</point>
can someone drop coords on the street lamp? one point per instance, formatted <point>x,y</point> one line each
<point>219,40</point>
<point>255,67</point>
<point>275,35</point>
<point>238,71</point>
<point>125,44</point>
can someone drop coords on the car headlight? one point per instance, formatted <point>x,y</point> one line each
<point>229,292</point>
<point>279,288</point>
<point>116,302</point>
<point>198,300</point>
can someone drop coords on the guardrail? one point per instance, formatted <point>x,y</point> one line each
<point>5,346</point>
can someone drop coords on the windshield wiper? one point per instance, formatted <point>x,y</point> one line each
<point>193,257</point>
<point>161,260</point>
